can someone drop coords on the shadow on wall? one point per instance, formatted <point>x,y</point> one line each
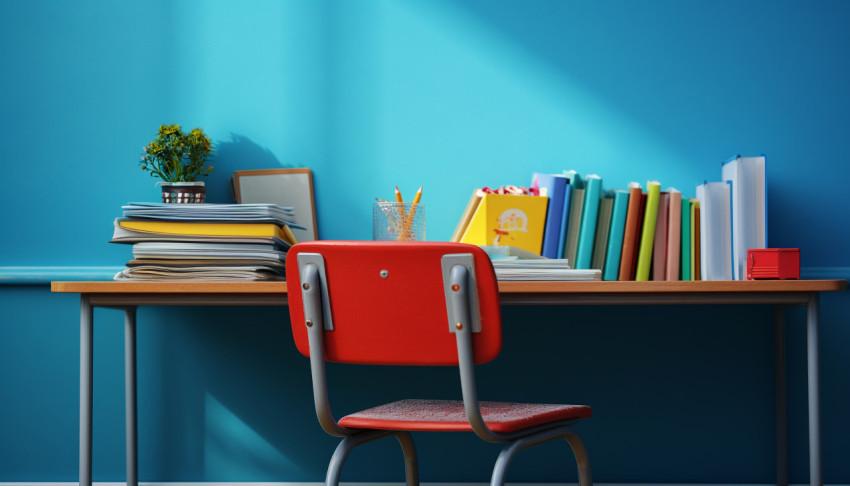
<point>237,153</point>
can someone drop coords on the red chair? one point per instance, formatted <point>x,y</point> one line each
<point>420,303</point>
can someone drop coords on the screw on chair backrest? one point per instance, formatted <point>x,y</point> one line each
<point>387,302</point>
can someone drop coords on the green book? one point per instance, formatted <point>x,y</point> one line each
<point>685,264</point>
<point>647,235</point>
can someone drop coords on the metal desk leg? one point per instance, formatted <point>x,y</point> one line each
<point>130,395</point>
<point>86,325</point>
<point>781,398</point>
<point>815,465</point>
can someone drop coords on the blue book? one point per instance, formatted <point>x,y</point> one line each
<point>615,236</point>
<point>589,213</point>
<point>553,187</point>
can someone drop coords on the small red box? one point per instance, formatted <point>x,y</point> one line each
<point>773,263</point>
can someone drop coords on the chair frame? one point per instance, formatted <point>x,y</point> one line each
<point>458,277</point>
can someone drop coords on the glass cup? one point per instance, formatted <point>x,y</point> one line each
<point>393,221</point>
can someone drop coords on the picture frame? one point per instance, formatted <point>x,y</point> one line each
<point>284,187</point>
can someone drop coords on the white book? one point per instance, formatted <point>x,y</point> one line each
<point>715,237</point>
<point>749,208</point>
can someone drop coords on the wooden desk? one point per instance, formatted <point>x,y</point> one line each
<point>129,295</point>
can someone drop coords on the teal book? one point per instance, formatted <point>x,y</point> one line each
<point>615,236</point>
<point>573,209</point>
<point>589,214</point>
<point>686,240</point>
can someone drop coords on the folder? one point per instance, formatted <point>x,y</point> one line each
<point>506,219</point>
<point>471,206</point>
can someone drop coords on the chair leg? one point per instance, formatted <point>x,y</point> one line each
<point>511,448</point>
<point>344,448</point>
<point>582,459</point>
<point>411,465</point>
<point>505,457</point>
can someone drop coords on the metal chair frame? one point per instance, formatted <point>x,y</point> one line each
<point>458,278</point>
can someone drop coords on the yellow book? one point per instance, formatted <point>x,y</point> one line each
<point>212,229</point>
<point>647,236</point>
<point>503,219</point>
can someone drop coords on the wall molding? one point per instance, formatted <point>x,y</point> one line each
<point>344,483</point>
<point>43,275</point>
<point>143,483</point>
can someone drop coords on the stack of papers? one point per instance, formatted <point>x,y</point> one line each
<point>539,270</point>
<point>211,242</point>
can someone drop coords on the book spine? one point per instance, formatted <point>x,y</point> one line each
<point>630,233</point>
<point>590,212</point>
<point>653,191</point>
<point>615,238</point>
<point>674,235</point>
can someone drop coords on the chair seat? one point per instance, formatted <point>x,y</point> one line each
<point>449,415</point>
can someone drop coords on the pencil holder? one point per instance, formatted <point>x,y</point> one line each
<point>392,221</point>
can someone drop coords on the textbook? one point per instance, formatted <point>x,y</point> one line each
<point>574,219</point>
<point>541,270</point>
<point>674,234</point>
<point>554,187</point>
<point>659,245</point>
<point>611,268</point>
<point>748,187</point>
<point>603,228</point>
<point>573,182</point>
<point>653,193</point>
<point>631,233</point>
<point>685,260</point>
<point>587,231</point>
<point>209,229</point>
<point>715,231</point>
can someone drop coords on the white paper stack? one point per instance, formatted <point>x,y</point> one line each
<point>546,269</point>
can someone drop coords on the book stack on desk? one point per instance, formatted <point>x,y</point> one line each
<point>514,264</point>
<point>213,242</point>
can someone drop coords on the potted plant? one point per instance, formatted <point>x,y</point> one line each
<point>178,159</point>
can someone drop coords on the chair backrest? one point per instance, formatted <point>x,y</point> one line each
<point>387,302</point>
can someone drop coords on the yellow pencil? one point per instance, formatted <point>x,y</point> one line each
<point>408,222</point>
<point>401,213</point>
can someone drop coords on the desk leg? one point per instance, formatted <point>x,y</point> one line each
<point>130,396</point>
<point>815,465</point>
<point>86,326</point>
<point>781,398</point>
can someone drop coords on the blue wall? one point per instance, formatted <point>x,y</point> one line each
<point>451,95</point>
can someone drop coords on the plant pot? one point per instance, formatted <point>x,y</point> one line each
<point>183,192</point>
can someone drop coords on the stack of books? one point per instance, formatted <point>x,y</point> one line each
<point>212,242</point>
<point>515,264</point>
<point>633,234</point>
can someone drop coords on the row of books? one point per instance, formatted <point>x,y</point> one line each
<point>213,242</point>
<point>634,234</point>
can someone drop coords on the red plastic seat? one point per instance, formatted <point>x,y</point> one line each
<point>450,416</point>
<point>415,304</point>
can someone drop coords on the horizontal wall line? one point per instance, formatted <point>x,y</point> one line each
<point>43,275</point>
<point>142,483</point>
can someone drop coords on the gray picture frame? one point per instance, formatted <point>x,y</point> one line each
<point>284,187</point>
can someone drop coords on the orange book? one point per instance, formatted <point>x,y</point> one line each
<point>631,233</point>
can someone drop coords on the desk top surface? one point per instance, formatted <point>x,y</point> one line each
<point>196,287</point>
